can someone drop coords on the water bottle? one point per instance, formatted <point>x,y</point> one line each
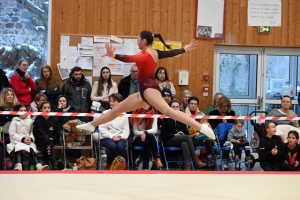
<point>75,166</point>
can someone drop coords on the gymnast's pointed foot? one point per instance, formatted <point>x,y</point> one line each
<point>207,131</point>
<point>87,126</point>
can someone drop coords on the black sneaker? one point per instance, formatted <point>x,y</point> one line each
<point>210,162</point>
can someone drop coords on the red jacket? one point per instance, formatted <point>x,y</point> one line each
<point>21,89</point>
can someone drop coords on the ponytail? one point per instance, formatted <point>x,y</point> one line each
<point>158,35</point>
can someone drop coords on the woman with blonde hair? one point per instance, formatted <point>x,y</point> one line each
<point>48,85</point>
<point>8,101</point>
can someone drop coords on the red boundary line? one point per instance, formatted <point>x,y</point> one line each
<point>131,172</point>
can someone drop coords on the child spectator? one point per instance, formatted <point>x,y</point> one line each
<point>38,100</point>
<point>271,154</point>
<point>22,139</point>
<point>237,137</point>
<point>292,152</point>
<point>46,131</point>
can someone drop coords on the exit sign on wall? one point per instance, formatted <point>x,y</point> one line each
<point>264,29</point>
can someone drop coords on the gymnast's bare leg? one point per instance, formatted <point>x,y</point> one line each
<point>154,97</point>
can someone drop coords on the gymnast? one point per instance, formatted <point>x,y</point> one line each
<point>149,91</point>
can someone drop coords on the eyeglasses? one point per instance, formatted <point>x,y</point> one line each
<point>193,104</point>
<point>225,106</point>
<point>133,71</point>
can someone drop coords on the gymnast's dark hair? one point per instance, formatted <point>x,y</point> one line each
<point>147,35</point>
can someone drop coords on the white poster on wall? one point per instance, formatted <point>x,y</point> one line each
<point>264,12</point>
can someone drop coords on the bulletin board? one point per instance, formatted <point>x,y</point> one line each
<point>87,51</point>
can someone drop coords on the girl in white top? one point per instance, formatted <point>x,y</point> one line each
<point>113,134</point>
<point>22,139</point>
<point>103,88</point>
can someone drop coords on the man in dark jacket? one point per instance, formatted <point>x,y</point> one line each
<point>78,90</point>
<point>4,83</point>
<point>129,84</point>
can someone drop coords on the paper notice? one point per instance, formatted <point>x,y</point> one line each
<point>87,40</point>
<point>85,63</point>
<point>116,39</point>
<point>101,39</point>
<point>64,40</point>
<point>85,50</point>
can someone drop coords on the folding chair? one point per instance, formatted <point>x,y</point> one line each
<point>164,149</point>
<point>216,158</point>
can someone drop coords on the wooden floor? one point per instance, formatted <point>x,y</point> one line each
<point>152,185</point>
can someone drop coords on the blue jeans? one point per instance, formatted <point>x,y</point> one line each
<point>114,148</point>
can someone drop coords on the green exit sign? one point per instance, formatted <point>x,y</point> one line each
<point>264,29</point>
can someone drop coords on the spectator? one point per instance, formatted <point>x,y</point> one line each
<point>102,88</point>
<point>8,101</point>
<point>78,91</point>
<point>62,105</point>
<point>144,130</point>
<point>162,79</point>
<point>47,133</point>
<point>114,134</point>
<point>4,83</point>
<point>223,108</point>
<point>215,102</point>
<point>285,111</point>
<point>22,83</point>
<point>292,152</point>
<point>167,95</point>
<point>38,100</point>
<point>192,108</point>
<point>48,85</point>
<point>22,139</point>
<point>174,133</point>
<point>186,94</point>
<point>271,154</point>
<point>200,139</point>
<point>129,84</point>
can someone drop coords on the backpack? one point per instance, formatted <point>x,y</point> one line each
<point>222,131</point>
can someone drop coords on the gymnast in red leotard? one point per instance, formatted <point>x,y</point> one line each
<point>150,93</point>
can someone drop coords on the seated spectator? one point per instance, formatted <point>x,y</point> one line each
<point>144,130</point>
<point>237,136</point>
<point>103,88</point>
<point>46,131</point>
<point>22,83</point>
<point>38,100</point>
<point>215,101</point>
<point>167,95</point>
<point>22,139</point>
<point>292,152</point>
<point>285,111</point>
<point>192,108</point>
<point>223,107</point>
<point>186,94</point>
<point>129,84</point>
<point>114,134</point>
<point>8,101</point>
<point>162,79</point>
<point>4,83</point>
<point>175,134</point>
<point>62,105</point>
<point>200,139</point>
<point>47,84</point>
<point>271,154</point>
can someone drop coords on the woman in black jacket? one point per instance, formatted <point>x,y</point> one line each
<point>174,133</point>
<point>271,154</point>
<point>47,133</point>
<point>62,105</point>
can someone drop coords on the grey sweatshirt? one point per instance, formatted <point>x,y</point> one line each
<point>234,135</point>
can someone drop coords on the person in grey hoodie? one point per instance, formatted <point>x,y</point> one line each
<point>78,91</point>
<point>237,137</point>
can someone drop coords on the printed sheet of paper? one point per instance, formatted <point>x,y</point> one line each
<point>85,63</point>
<point>65,41</point>
<point>128,46</point>
<point>89,79</point>
<point>68,54</point>
<point>85,50</point>
<point>158,45</point>
<point>116,39</point>
<point>101,39</point>
<point>87,40</point>
<point>63,72</point>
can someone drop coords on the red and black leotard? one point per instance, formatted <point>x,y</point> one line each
<point>147,66</point>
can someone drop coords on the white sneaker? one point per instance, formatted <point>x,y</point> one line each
<point>41,167</point>
<point>207,131</point>
<point>87,126</point>
<point>18,167</point>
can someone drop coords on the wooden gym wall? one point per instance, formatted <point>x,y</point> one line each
<point>175,20</point>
